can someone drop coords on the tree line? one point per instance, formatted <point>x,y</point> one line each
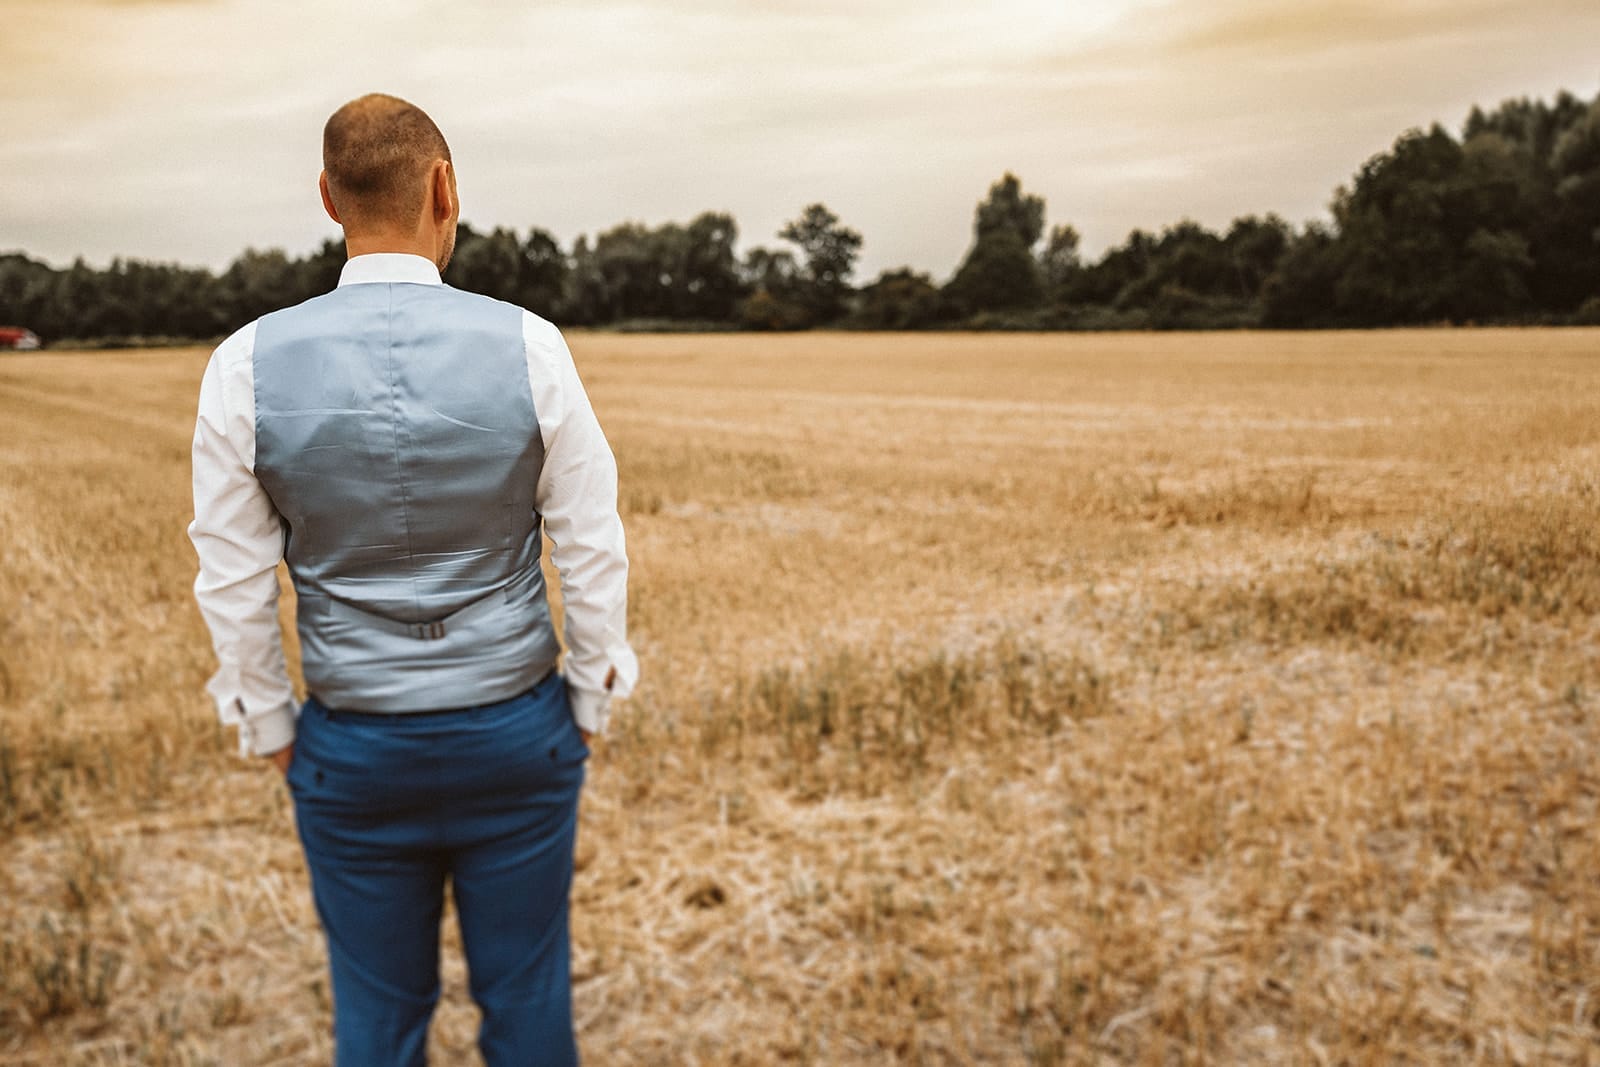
<point>1498,224</point>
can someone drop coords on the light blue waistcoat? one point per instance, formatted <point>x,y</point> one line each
<point>396,435</point>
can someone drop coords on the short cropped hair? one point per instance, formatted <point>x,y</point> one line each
<point>377,151</point>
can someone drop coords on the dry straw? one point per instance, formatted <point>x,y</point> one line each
<point>1014,699</point>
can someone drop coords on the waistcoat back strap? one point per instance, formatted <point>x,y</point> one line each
<point>422,631</point>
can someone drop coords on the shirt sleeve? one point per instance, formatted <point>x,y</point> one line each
<point>238,536</point>
<point>577,495</point>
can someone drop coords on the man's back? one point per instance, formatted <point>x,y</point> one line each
<point>397,437</point>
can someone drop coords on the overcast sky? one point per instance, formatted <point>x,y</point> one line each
<point>189,129</point>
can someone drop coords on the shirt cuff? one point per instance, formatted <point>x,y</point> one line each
<point>591,709</point>
<point>266,733</point>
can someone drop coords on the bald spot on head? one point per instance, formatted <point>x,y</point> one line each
<point>377,151</point>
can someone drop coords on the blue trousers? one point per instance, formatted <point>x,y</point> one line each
<point>391,807</point>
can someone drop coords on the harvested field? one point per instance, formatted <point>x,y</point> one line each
<point>1007,699</point>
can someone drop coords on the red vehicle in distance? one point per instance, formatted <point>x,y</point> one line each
<point>19,339</point>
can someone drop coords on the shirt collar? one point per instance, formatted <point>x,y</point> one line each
<point>389,267</point>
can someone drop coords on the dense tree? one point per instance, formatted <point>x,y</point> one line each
<point>490,263</point>
<point>531,273</point>
<point>1433,232</point>
<point>1008,209</point>
<point>766,310</point>
<point>1500,225</point>
<point>260,281</point>
<point>711,286</point>
<point>319,272</point>
<point>1566,243</point>
<point>773,280</point>
<point>1298,292</point>
<point>999,272</point>
<point>28,295</point>
<point>1059,262</point>
<point>1532,125</point>
<point>774,270</point>
<point>671,271</point>
<point>1120,266</point>
<point>898,300</point>
<point>828,255</point>
<point>543,273</point>
<point>636,264</point>
<point>1189,276</point>
<point>584,302</point>
<point>1254,247</point>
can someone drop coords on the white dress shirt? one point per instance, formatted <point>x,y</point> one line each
<point>239,535</point>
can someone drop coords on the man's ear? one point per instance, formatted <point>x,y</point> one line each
<point>444,191</point>
<point>327,199</point>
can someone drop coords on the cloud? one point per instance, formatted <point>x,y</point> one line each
<point>190,128</point>
<point>1310,27</point>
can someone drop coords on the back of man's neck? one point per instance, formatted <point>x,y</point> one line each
<point>368,244</point>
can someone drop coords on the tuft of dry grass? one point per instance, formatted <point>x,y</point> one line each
<point>1531,561</point>
<point>874,719</point>
<point>1008,699</point>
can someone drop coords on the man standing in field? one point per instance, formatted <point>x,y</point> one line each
<point>399,442</point>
